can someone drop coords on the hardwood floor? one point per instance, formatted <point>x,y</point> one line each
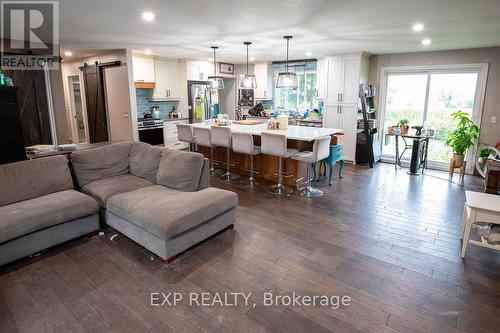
<point>384,238</point>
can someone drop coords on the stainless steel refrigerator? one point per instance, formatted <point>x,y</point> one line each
<point>203,102</point>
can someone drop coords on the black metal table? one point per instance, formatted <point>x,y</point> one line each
<point>419,150</point>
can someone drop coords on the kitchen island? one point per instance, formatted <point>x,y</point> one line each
<point>265,166</point>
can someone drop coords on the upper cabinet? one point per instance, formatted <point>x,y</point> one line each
<point>264,77</point>
<point>159,74</point>
<point>167,80</point>
<point>343,80</point>
<point>199,70</point>
<point>321,72</point>
<point>144,69</point>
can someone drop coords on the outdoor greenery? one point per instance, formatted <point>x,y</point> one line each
<point>463,136</point>
<point>304,97</point>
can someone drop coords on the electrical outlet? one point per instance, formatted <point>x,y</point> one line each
<point>493,119</point>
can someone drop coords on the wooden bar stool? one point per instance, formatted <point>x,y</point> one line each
<point>276,145</point>
<point>243,143</point>
<point>203,138</point>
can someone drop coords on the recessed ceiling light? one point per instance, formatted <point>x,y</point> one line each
<point>426,41</point>
<point>68,53</point>
<point>417,27</point>
<point>148,16</point>
<point>309,54</point>
<point>148,52</point>
<point>252,58</point>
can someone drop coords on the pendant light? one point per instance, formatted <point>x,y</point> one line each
<point>215,82</point>
<point>287,79</point>
<point>248,81</point>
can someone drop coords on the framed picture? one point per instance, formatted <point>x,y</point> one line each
<point>226,68</point>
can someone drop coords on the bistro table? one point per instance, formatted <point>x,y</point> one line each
<point>419,149</point>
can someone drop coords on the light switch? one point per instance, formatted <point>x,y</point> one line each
<point>125,115</point>
<point>493,119</point>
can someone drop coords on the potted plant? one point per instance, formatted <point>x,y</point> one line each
<point>403,126</point>
<point>462,137</point>
<point>484,154</point>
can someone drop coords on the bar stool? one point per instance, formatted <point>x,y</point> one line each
<point>275,145</point>
<point>243,143</point>
<point>221,137</point>
<point>203,138</point>
<point>185,134</point>
<point>321,150</point>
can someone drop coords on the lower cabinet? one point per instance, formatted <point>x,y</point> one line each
<point>170,134</point>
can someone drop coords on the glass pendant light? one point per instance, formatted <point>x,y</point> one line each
<point>248,81</point>
<point>287,79</point>
<point>215,82</point>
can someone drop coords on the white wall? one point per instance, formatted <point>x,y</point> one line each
<point>490,132</point>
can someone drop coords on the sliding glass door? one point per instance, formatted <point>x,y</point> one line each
<point>429,97</point>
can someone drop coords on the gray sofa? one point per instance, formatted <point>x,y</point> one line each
<point>158,197</point>
<point>39,207</point>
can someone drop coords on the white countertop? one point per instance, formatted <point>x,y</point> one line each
<point>300,133</point>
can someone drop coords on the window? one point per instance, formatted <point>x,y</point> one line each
<point>304,97</point>
<point>430,96</point>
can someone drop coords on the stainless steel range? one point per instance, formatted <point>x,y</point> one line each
<point>151,131</point>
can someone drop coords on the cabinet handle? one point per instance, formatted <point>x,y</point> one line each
<point>265,93</point>
<point>340,108</point>
<point>341,97</point>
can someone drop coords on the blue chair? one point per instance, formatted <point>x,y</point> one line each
<point>336,155</point>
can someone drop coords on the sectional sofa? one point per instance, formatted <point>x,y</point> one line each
<point>40,208</point>
<point>159,197</point>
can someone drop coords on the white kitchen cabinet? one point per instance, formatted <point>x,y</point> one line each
<point>167,80</point>
<point>341,97</point>
<point>144,69</point>
<point>321,73</point>
<point>264,76</point>
<point>199,70</point>
<point>170,134</point>
<point>343,116</point>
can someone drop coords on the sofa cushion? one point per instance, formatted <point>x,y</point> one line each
<point>105,188</point>
<point>166,212</point>
<point>24,217</point>
<point>144,160</point>
<point>180,170</point>
<point>98,163</point>
<point>30,179</point>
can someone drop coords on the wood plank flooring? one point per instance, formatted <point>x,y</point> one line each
<point>382,237</point>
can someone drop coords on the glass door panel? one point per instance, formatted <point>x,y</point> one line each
<point>405,99</point>
<point>448,93</point>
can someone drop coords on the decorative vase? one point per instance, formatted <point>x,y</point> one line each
<point>404,129</point>
<point>459,160</point>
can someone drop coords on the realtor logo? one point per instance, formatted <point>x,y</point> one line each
<point>29,34</point>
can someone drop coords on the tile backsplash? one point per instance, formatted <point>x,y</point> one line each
<point>144,104</point>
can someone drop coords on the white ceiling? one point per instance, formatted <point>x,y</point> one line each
<point>187,28</point>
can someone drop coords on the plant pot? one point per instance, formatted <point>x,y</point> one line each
<point>459,160</point>
<point>404,129</point>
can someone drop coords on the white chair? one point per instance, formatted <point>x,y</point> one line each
<point>185,134</point>
<point>320,151</point>
<point>243,143</point>
<point>203,138</point>
<point>276,145</point>
<point>221,137</point>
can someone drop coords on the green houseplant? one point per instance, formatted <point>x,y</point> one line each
<point>462,137</point>
<point>403,126</point>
